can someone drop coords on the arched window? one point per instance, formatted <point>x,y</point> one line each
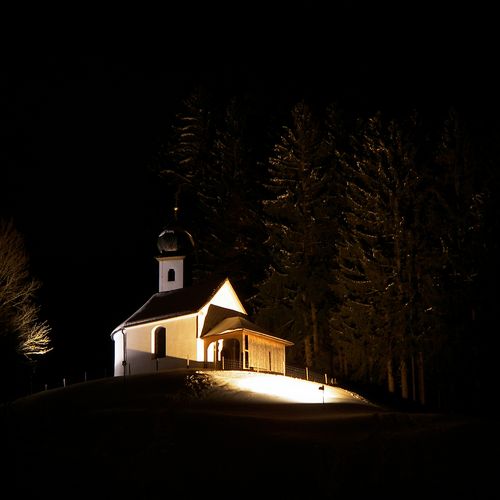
<point>160,342</point>
<point>171,275</point>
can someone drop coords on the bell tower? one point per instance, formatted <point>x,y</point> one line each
<point>174,245</point>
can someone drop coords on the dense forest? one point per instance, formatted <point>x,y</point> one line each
<point>369,240</point>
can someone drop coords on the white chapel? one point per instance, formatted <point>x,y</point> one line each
<point>200,325</point>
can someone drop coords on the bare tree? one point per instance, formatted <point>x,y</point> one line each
<point>20,328</point>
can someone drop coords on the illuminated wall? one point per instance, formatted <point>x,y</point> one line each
<point>225,297</point>
<point>118,338</point>
<point>265,354</point>
<point>180,346</point>
<point>182,338</point>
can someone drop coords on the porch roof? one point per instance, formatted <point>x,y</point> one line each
<point>235,323</point>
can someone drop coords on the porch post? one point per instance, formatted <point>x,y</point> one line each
<point>204,353</point>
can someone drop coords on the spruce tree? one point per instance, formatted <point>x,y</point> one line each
<point>187,166</point>
<point>376,250</point>
<point>461,191</point>
<point>243,254</point>
<point>292,299</point>
<point>215,179</point>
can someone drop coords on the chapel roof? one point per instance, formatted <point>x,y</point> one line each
<point>163,305</point>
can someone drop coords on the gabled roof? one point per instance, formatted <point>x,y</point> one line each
<point>231,324</point>
<point>216,314</point>
<point>163,305</point>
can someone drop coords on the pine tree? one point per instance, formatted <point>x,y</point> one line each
<point>461,192</point>
<point>240,227</point>
<point>186,165</point>
<point>292,299</point>
<point>211,167</point>
<point>376,281</point>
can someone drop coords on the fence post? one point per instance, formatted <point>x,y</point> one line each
<point>307,373</point>
<point>326,379</point>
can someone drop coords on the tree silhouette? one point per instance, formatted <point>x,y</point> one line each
<point>216,181</point>
<point>293,297</point>
<point>461,191</point>
<point>377,253</point>
<point>238,215</point>
<point>23,337</point>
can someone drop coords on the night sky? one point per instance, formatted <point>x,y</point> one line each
<point>80,131</point>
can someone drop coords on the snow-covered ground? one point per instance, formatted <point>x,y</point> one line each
<point>253,386</point>
<point>234,433</point>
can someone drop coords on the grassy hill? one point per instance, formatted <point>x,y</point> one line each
<point>144,436</point>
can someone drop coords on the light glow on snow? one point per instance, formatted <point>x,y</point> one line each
<point>282,388</point>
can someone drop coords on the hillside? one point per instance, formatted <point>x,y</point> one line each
<point>139,436</point>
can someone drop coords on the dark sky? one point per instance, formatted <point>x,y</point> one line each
<point>79,132</point>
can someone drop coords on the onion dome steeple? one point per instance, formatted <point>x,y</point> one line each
<point>174,245</point>
<point>174,240</point>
